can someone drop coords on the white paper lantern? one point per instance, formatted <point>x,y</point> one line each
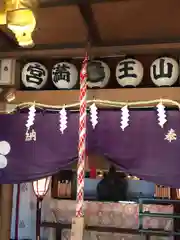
<point>164,71</point>
<point>64,75</point>
<point>34,75</point>
<point>98,74</point>
<point>129,72</point>
<point>41,187</point>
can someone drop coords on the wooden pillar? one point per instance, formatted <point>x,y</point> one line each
<point>0,205</point>
<point>6,210</point>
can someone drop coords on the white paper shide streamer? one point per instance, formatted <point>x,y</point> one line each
<point>62,119</point>
<point>161,113</point>
<point>31,117</point>
<point>30,135</point>
<point>93,115</point>
<point>124,117</point>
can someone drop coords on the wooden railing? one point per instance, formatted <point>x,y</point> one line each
<point>59,226</point>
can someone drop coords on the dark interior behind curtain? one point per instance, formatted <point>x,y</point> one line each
<point>141,149</point>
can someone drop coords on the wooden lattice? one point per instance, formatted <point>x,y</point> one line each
<point>163,192</point>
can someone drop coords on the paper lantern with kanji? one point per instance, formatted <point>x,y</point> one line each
<point>34,75</point>
<point>98,74</point>
<point>64,75</point>
<point>164,71</point>
<point>129,72</point>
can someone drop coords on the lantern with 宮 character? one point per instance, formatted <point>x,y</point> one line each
<point>19,16</point>
<point>40,188</point>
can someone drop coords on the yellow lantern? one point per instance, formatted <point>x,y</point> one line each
<point>2,13</point>
<point>24,38</point>
<point>21,20</point>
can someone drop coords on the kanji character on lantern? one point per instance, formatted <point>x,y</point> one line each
<point>129,72</point>
<point>61,73</point>
<point>64,75</point>
<point>34,75</point>
<point>98,74</point>
<point>164,71</point>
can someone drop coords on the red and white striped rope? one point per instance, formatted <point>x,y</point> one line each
<point>82,140</point>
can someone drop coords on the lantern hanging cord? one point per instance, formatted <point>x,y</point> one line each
<point>98,102</point>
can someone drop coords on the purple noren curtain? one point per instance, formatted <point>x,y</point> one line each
<point>140,149</point>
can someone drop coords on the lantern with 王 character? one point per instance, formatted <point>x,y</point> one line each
<point>40,188</point>
<point>19,15</point>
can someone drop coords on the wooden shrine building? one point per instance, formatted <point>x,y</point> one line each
<point>110,30</point>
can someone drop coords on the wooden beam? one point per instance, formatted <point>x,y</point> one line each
<point>60,97</point>
<point>61,226</point>
<point>79,51</point>
<point>6,41</point>
<point>48,4</point>
<point>88,16</point>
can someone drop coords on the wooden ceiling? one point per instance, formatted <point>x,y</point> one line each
<point>113,27</point>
